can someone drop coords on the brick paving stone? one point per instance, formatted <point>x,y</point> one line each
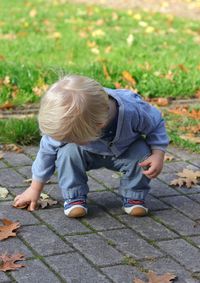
<point>175,167</point>
<point>100,220</point>
<point>147,227</point>
<point>31,150</point>
<point>2,164</point>
<point>196,240</point>
<point>195,162</point>
<point>4,278</point>
<point>26,172</point>
<point>123,273</point>
<point>186,254</point>
<point>129,243</point>
<point>109,200</point>
<point>94,186</point>
<point>183,154</point>
<point>75,269</point>
<point>23,216</point>
<point>43,240</point>
<point>60,222</point>
<point>105,176</point>
<point>96,249</point>
<point>9,178</point>
<point>34,272</point>
<point>195,197</point>
<point>175,220</point>
<point>160,189</point>
<point>14,245</point>
<point>17,159</point>
<point>168,265</point>
<point>154,204</point>
<point>185,205</point>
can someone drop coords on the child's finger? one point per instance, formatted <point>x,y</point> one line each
<point>17,198</point>
<point>144,163</point>
<point>32,206</point>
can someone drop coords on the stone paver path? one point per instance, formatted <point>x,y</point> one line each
<point>107,245</point>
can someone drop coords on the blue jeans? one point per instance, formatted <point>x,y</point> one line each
<point>73,162</point>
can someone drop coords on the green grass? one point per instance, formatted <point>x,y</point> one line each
<point>42,40</point>
<point>31,57</point>
<point>175,126</point>
<point>22,132</point>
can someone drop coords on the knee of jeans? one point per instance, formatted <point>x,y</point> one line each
<point>69,150</point>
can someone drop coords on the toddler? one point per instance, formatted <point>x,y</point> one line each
<point>85,126</point>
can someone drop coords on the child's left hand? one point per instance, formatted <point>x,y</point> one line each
<point>154,163</point>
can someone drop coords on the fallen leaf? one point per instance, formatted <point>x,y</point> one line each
<point>6,105</point>
<point>46,203</point>
<point>1,155</point>
<point>190,137</point>
<point>128,77</point>
<point>187,177</point>
<point>106,74</point>
<point>3,192</point>
<point>154,278</point>
<point>8,262</point>
<point>33,13</point>
<point>197,223</point>
<point>130,39</point>
<point>12,147</point>
<point>168,157</point>
<point>7,230</point>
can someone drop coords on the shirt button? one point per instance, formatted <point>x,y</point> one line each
<point>110,144</point>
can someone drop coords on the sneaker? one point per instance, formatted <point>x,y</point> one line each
<point>76,208</point>
<point>135,207</point>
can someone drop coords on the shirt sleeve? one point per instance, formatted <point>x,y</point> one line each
<point>148,121</point>
<point>44,165</point>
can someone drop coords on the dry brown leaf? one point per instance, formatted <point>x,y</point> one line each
<point>12,147</point>
<point>168,157</point>
<point>128,77</point>
<point>6,105</point>
<point>8,262</point>
<point>154,278</point>
<point>106,74</point>
<point>46,202</point>
<point>7,230</point>
<point>190,137</point>
<point>1,155</point>
<point>117,85</point>
<point>161,101</point>
<point>187,177</point>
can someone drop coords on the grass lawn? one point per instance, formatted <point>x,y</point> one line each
<point>41,40</point>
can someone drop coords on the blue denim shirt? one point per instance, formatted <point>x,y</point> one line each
<point>136,118</point>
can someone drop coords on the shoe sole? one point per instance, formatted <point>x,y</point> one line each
<point>77,212</point>
<point>137,211</point>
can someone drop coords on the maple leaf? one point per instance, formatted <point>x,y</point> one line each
<point>8,262</point>
<point>7,230</point>
<point>154,278</point>
<point>188,178</point>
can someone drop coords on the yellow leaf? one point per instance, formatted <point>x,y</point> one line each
<point>33,13</point>
<point>128,77</point>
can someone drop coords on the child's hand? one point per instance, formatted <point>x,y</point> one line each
<point>154,163</point>
<point>29,197</point>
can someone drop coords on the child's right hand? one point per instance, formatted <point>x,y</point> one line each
<point>28,198</point>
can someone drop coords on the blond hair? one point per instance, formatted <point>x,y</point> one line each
<point>74,109</point>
